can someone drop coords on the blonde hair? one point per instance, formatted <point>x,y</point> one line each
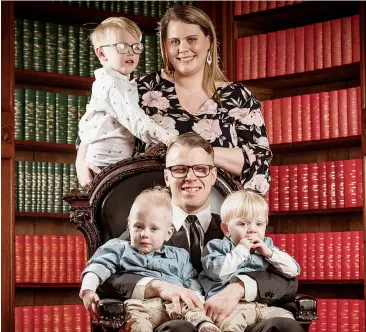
<point>193,15</point>
<point>243,204</point>
<point>102,33</point>
<point>157,196</point>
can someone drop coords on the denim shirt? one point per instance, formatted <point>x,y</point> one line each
<point>171,264</point>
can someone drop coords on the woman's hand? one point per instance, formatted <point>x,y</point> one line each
<point>90,300</point>
<point>84,170</point>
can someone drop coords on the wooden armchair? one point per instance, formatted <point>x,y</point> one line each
<point>100,213</point>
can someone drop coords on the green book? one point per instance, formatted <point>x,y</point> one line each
<point>34,187</point>
<point>20,185</point>
<point>58,188</point>
<point>159,62</point>
<point>97,4</point>
<point>83,52</point>
<point>16,188</point>
<point>39,46</point>
<point>51,47</point>
<point>161,8</point>
<point>73,177</point>
<point>51,116</point>
<point>113,5</point>
<point>127,6</point>
<point>62,43</point>
<point>61,118</point>
<point>73,51</point>
<point>92,60</point>
<point>44,188</point>
<point>145,8</point>
<point>19,113</point>
<point>51,187</point>
<point>137,7</point>
<point>65,186</point>
<point>153,9</point>
<point>18,43</point>
<point>28,26</point>
<point>106,5</point>
<point>39,186</point>
<point>30,115</point>
<point>82,101</point>
<point>41,115</point>
<point>27,186</point>
<point>72,125</point>
<point>151,63</point>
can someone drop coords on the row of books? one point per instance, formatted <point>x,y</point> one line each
<point>316,186</point>
<point>317,46</point>
<point>316,116</point>
<point>63,49</point>
<point>60,318</point>
<point>49,258</point>
<point>47,116</point>
<point>247,7</point>
<point>145,8</point>
<point>40,186</point>
<point>325,255</point>
<point>335,315</point>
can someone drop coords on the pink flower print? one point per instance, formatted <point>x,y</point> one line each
<point>250,154</point>
<point>239,113</point>
<point>263,141</point>
<point>253,118</point>
<point>258,183</point>
<point>155,99</point>
<point>208,129</point>
<point>209,107</point>
<point>166,122</point>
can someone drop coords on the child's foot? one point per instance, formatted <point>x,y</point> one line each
<point>208,327</point>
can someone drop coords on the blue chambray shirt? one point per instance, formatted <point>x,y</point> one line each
<point>171,264</point>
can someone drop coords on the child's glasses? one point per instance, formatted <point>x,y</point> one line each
<point>123,48</point>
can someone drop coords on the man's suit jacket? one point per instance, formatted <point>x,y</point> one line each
<point>271,286</point>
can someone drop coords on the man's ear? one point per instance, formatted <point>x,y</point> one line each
<point>166,177</point>
<point>100,54</point>
<point>169,234</point>
<point>214,175</point>
<point>224,229</point>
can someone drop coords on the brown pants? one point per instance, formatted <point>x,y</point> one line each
<point>144,316</point>
<point>248,314</point>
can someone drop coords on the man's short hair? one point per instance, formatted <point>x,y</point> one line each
<point>192,140</point>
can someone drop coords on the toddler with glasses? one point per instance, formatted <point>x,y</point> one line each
<point>113,116</point>
<point>245,248</point>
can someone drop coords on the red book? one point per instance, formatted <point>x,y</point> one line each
<point>237,8</point>
<point>355,255</point>
<point>313,184</point>
<point>27,319</point>
<point>245,7</point>
<point>352,125</point>
<point>319,256</point>
<point>350,193</point>
<point>337,255</point>
<point>327,45</point>
<point>79,318</point>
<point>262,5</point>
<point>311,256</point>
<point>332,322</point>
<point>296,119</point>
<point>58,318</point>
<point>262,54</point>
<point>333,111</point>
<point>47,319</point>
<point>362,258</point>
<point>284,177</point>
<point>339,183</point>
<point>358,94</point>
<point>70,258</point>
<point>18,313</point>
<point>362,315</point>
<point>343,314</point>
<point>303,255</point>
<point>319,44</point>
<point>254,57</point>
<point>315,116</point>
<point>322,179</point>
<point>271,54</point>
<point>80,257</point>
<point>346,40</point>
<point>37,319</point>
<point>281,53</point>
<point>268,118</point>
<point>346,255</point>
<point>55,245</point>
<point>281,241</point>
<point>322,313</point>
<point>329,256</point>
<point>246,58</point>
<point>359,187</point>
<point>286,117</point>
<point>335,26</point>
<point>294,185</point>
<point>355,38</point>
<point>68,318</point>
<point>299,50</point>
<point>331,185</point>
<point>62,260</point>
<point>277,121</point>
<point>46,258</point>
<point>274,203</point>
<point>271,4</point>
<point>280,3</point>
<point>354,314</point>
<point>239,58</point>
<point>309,48</point>
<point>37,258</point>
<point>254,6</point>
<point>306,117</point>
<point>28,262</point>
<point>324,115</point>
<point>342,113</point>
<point>290,244</point>
<point>303,178</point>
<point>19,258</point>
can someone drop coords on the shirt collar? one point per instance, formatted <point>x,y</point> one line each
<point>100,72</point>
<point>179,216</point>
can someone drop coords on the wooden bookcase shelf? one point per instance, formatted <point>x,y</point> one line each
<point>42,215</point>
<point>315,212</point>
<point>73,15</point>
<point>34,146</point>
<point>292,16</point>
<point>47,285</point>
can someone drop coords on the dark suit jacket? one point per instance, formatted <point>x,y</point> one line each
<point>272,287</point>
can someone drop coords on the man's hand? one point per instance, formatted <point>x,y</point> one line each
<point>221,305</point>
<point>90,300</point>
<point>174,294</point>
<point>259,245</point>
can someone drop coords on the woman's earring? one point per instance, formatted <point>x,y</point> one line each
<point>209,58</point>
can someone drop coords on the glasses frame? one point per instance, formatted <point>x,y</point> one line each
<point>210,167</point>
<point>129,47</point>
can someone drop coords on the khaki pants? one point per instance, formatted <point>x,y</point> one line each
<point>144,316</point>
<point>248,314</point>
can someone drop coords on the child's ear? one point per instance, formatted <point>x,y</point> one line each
<point>100,54</point>
<point>224,229</point>
<point>169,233</point>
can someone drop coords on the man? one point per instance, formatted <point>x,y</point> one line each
<point>190,174</point>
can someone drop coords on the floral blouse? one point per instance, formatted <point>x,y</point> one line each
<point>236,122</point>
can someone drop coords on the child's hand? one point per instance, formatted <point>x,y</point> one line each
<point>246,243</point>
<point>259,245</point>
<point>90,300</point>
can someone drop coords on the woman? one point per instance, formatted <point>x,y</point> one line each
<point>192,94</point>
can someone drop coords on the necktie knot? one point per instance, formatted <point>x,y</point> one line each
<point>191,218</point>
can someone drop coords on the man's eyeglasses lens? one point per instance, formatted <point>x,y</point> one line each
<point>181,171</point>
<point>124,48</point>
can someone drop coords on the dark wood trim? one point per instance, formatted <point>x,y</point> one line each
<point>34,146</point>
<point>42,215</point>
<point>292,16</point>
<point>315,212</point>
<point>47,285</point>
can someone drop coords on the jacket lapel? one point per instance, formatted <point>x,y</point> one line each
<point>214,230</point>
<point>179,239</point>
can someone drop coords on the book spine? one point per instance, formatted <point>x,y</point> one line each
<point>254,57</point>
<point>21,186</point>
<point>339,183</point>
<point>62,49</point>
<point>306,117</point>
<point>318,45</point>
<point>46,259</point>
<point>320,256</point>
<point>315,116</point>
<point>355,21</point>
<point>51,47</point>
<point>313,185</point>
<point>18,43</point>
<point>73,50</point>
<point>34,187</point>
<point>271,54</point>
<point>309,48</point>
<point>72,125</point>
<point>274,203</point>
<point>327,41</point>
<point>41,116</point>
<point>37,258</point>
<point>55,258</point>
<point>296,119</point>
<point>51,187</point>
<point>65,186</point>
<point>19,258</point>
<point>337,247</point>
<point>30,115</point>
<point>71,256</point>
<point>28,258</point>
<point>58,187</point>
<point>324,115</point>
<point>294,185</point>
<point>28,29</point>
<point>303,193</point>
<point>19,114</point>
<point>300,50</point>
<point>346,40</point>
<point>39,46</point>
<point>286,135</point>
<point>336,33</point>
<point>352,109</point>
<point>342,113</point>
<point>331,185</point>
<point>329,256</point>
<point>311,256</point>
<point>290,51</point>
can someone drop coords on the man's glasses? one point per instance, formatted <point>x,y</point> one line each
<point>181,171</point>
<point>123,48</point>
